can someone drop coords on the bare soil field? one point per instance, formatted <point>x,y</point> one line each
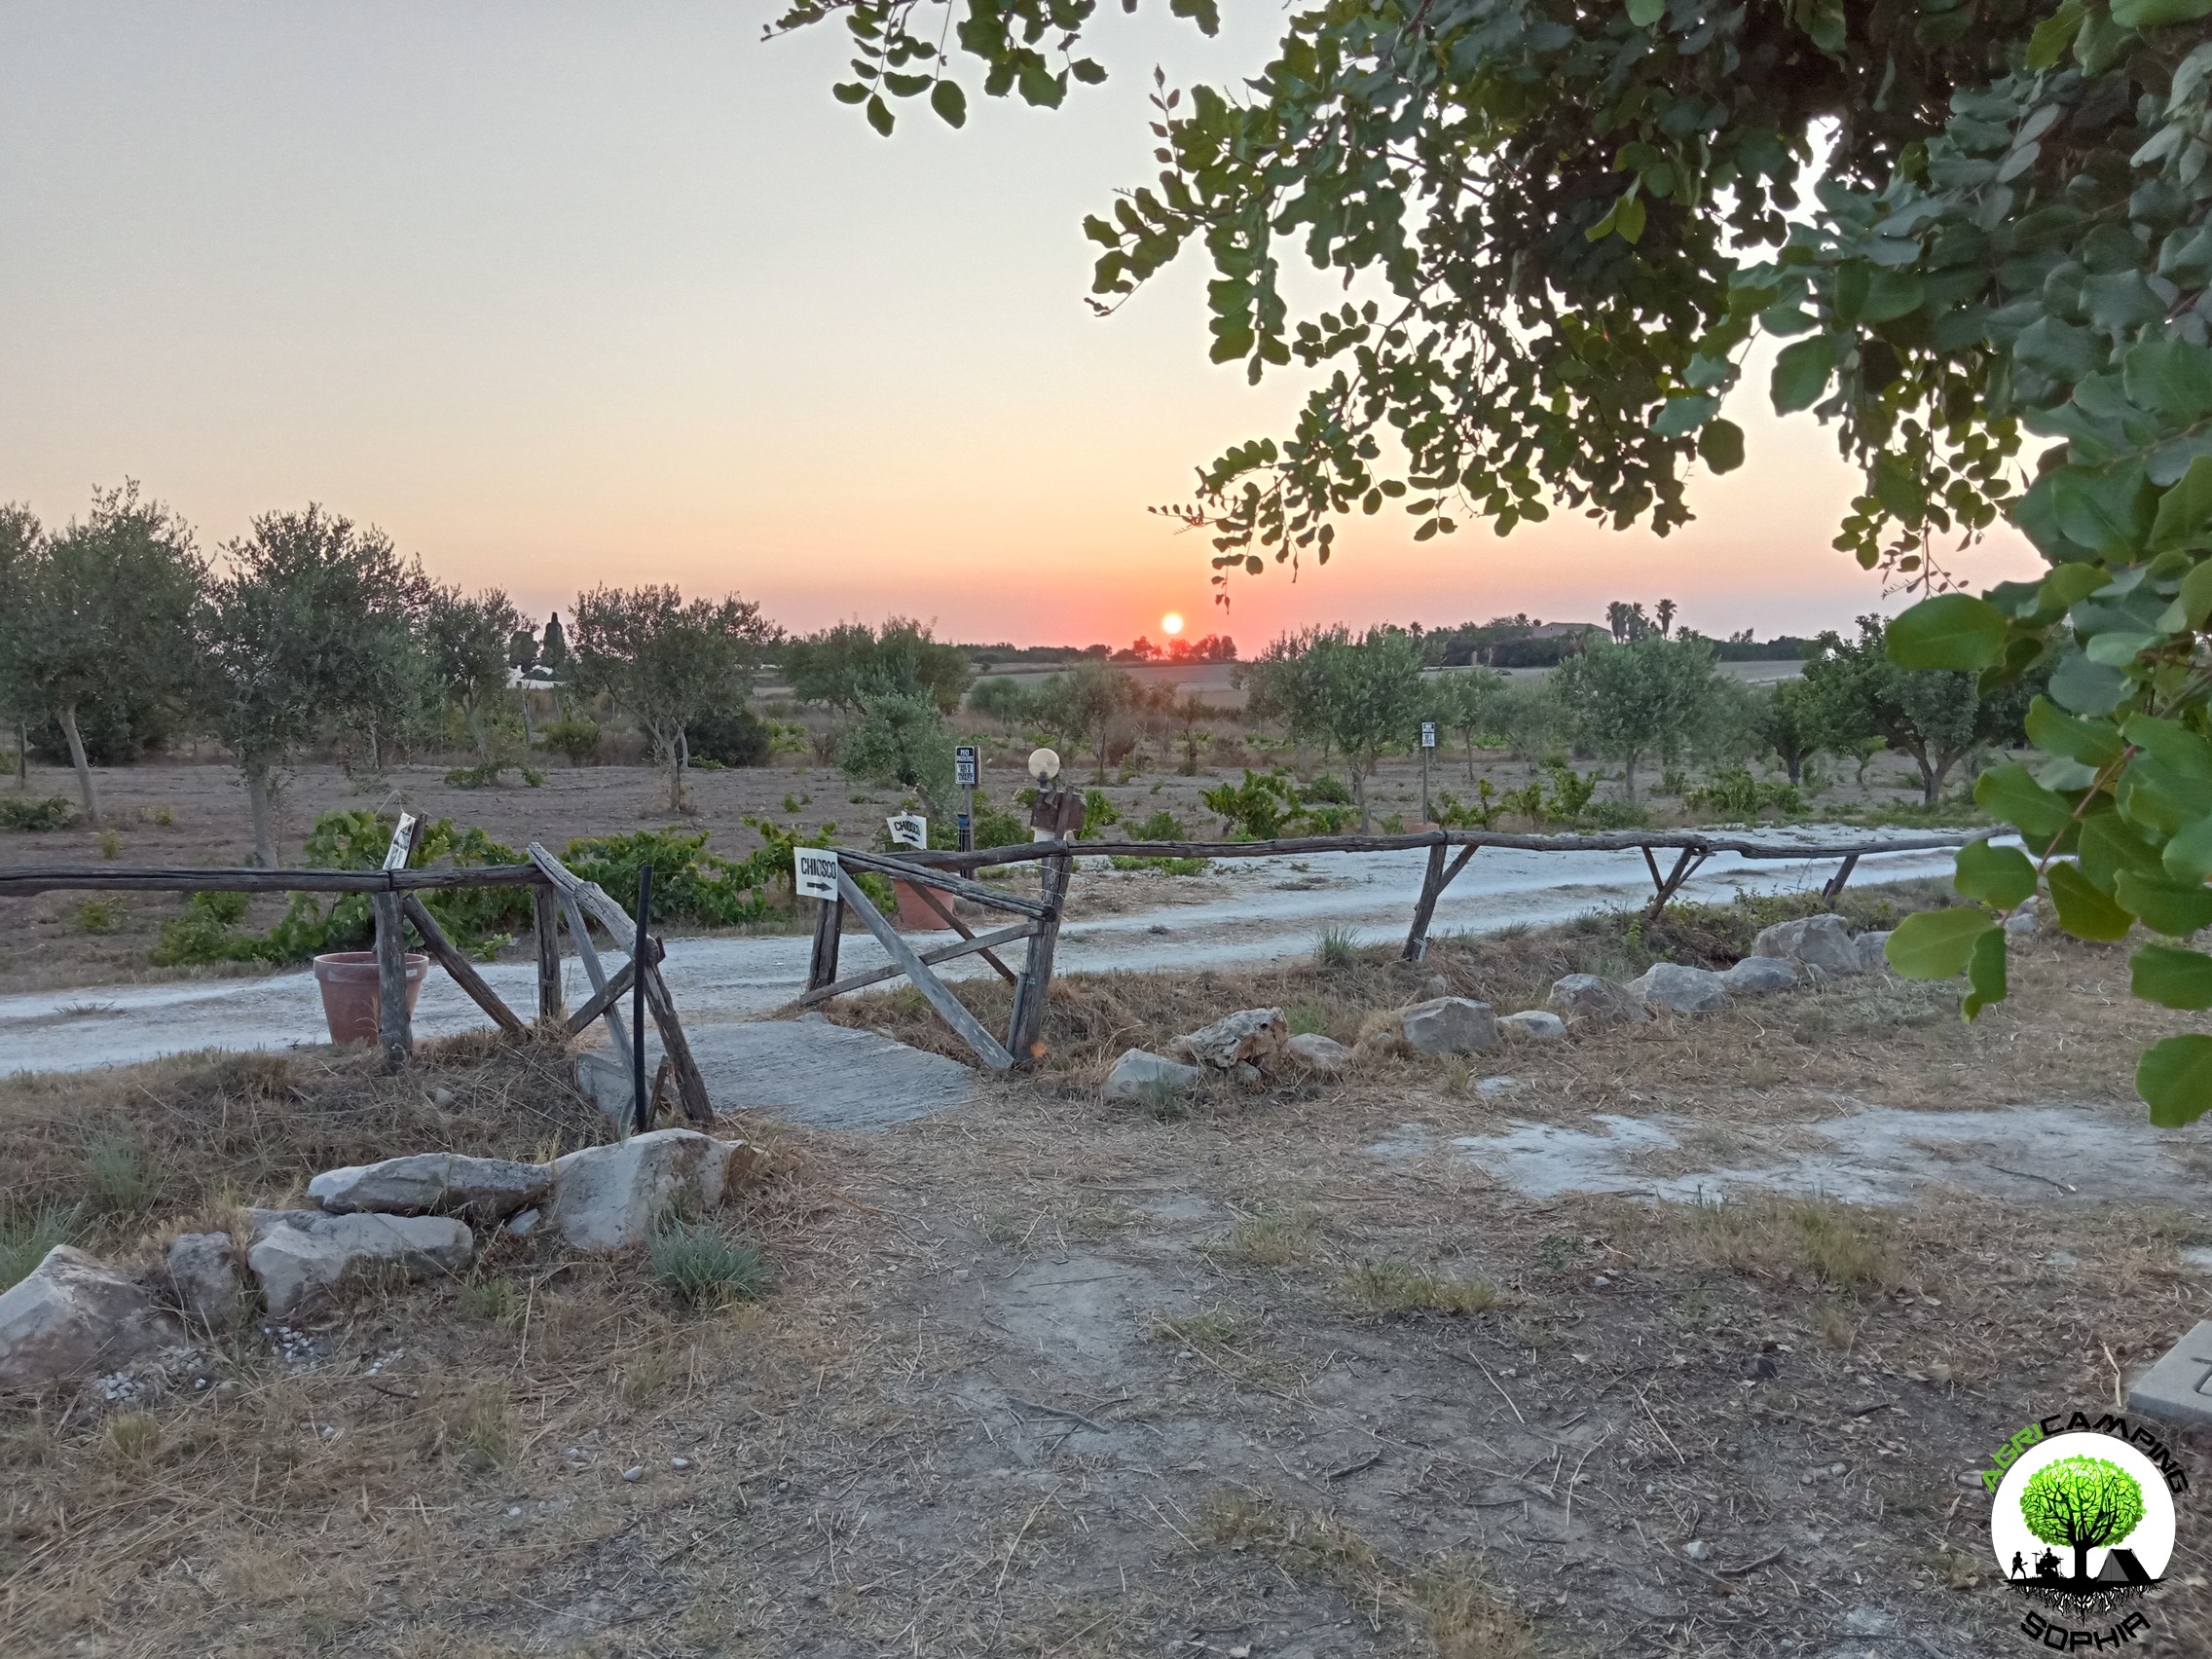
<point>1263,1372</point>
<point>192,814</point>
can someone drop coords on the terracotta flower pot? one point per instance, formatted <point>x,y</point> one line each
<point>914,912</point>
<point>352,1005</point>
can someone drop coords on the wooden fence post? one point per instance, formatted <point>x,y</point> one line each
<point>1025,1031</point>
<point>1834,884</point>
<point>829,927</point>
<point>395,1029</point>
<point>1438,877</point>
<point>545,922</point>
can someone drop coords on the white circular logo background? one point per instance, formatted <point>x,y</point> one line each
<point>2152,1541</point>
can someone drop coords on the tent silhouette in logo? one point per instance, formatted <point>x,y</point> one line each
<point>2122,1567</point>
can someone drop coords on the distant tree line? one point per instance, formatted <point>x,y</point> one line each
<point>116,631</point>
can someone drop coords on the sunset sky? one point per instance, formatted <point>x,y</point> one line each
<point>564,293</point>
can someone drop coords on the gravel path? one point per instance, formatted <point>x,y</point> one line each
<point>1252,910</point>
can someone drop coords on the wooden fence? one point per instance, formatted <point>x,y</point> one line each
<point>557,894</point>
<point>947,873</point>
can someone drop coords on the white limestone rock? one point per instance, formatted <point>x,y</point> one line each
<point>481,1189</point>
<point>1685,990</point>
<point>203,1272</point>
<point>1449,1025</point>
<point>1757,976</point>
<point>300,1257</point>
<point>1822,944</point>
<point>1143,1076</point>
<point>1323,1054</point>
<point>1252,1036</point>
<point>1586,996</point>
<point>608,1198</point>
<point>1533,1025</point>
<point>71,1315</point>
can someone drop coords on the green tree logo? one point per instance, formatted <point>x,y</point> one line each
<point>2082,1504</point>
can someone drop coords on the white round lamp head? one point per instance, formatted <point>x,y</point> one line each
<point>1044,764</point>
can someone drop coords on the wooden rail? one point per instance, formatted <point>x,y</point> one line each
<point>556,892</point>
<point>1691,849</point>
<point>45,878</point>
<point>1597,841</point>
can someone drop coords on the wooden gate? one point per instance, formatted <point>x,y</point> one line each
<point>1040,925</point>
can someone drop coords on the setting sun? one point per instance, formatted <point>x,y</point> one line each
<point>1171,624</point>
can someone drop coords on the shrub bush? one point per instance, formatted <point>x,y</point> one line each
<point>692,884</point>
<point>1731,792</point>
<point>578,740</point>
<point>35,817</point>
<point>478,919</point>
<point>738,738</point>
<point>487,776</point>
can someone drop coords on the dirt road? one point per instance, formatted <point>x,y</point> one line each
<point>1255,911</point>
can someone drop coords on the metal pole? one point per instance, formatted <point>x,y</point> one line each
<point>640,959</point>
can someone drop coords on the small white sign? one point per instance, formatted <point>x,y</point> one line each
<point>909,830</point>
<point>964,763</point>
<point>402,845</point>
<point>1428,735</point>
<point>814,872</point>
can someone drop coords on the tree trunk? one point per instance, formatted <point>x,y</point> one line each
<point>376,753</point>
<point>1793,764</point>
<point>66,714</point>
<point>2081,1562</point>
<point>674,778</point>
<point>476,729</point>
<point>258,806</point>
<point>23,754</point>
<point>528,735</point>
<point>1931,776</point>
<point>1359,794</point>
<point>1469,735</point>
<point>1628,773</point>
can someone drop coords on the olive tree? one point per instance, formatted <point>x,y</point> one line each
<point>1001,698</point>
<point>1472,702</point>
<point>1788,726</point>
<point>1089,705</point>
<point>1628,703</point>
<point>667,661</point>
<point>310,625</point>
<point>903,742</point>
<point>21,537</point>
<point>103,607</point>
<point>1365,696</point>
<point>1936,718</point>
<point>470,639</point>
<point>846,666</point>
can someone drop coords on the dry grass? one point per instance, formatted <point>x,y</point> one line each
<point>1450,1607</point>
<point>960,1420</point>
<point>98,1154</point>
<point>1387,1288</point>
<point>1815,1241</point>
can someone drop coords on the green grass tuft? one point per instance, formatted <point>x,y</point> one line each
<point>700,1264</point>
